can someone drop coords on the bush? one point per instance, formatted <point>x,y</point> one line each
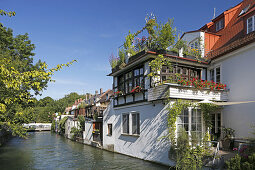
<point>76,133</point>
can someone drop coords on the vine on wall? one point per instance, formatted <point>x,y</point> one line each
<point>187,152</point>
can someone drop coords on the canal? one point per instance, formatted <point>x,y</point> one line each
<point>46,150</point>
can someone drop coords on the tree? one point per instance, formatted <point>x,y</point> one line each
<point>19,78</point>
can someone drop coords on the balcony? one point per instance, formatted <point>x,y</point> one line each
<point>177,91</point>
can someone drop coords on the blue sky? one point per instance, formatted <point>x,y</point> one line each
<point>89,31</point>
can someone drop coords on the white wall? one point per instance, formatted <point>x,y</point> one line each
<point>189,37</point>
<point>238,72</point>
<point>153,125</point>
<point>87,134</point>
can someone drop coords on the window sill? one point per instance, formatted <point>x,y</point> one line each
<point>134,135</point>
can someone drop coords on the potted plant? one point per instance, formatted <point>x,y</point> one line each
<point>137,89</point>
<point>118,93</point>
<point>228,135</point>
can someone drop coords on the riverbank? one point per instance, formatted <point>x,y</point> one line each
<point>5,136</point>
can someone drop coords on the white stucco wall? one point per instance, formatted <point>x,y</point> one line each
<point>87,134</point>
<point>189,37</point>
<point>147,145</point>
<point>238,73</point>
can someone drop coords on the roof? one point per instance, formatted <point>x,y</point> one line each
<point>233,35</point>
<point>147,55</point>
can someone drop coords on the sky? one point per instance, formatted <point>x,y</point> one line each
<point>90,31</point>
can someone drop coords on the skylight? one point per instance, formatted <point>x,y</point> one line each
<point>244,10</point>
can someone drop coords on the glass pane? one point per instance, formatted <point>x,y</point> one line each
<point>186,127</point>
<point>163,78</point>
<point>186,112</point>
<point>134,124</point>
<point>199,127</point>
<point>198,112</point>
<point>136,72</point>
<point>193,120</point>
<point>193,127</point>
<point>186,119</point>
<point>141,81</point>
<point>249,25</point>
<point>141,71</point>
<point>199,120</point>
<point>130,74</point>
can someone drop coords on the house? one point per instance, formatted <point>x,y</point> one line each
<point>69,124</point>
<point>135,122</point>
<point>91,108</point>
<point>94,107</point>
<point>228,42</point>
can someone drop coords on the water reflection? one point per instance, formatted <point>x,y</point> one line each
<point>45,150</point>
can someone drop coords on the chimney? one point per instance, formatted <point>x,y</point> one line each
<point>101,90</point>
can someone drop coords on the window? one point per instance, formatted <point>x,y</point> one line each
<point>217,75</point>
<point>185,72</point>
<point>110,129</point>
<point>183,121</point>
<point>191,121</point>
<point>134,126</point>
<point>251,24</point>
<point>129,80</point>
<point>125,123</point>
<point>212,74</point>
<point>219,25</point>
<point>194,44</point>
<point>135,123</point>
<point>196,123</point>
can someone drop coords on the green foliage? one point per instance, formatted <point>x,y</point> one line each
<point>188,151</point>
<point>81,120</point>
<point>62,125</point>
<point>11,13</point>
<point>208,109</point>
<point>53,126</point>
<point>234,163</point>
<point>61,104</point>
<point>174,110</point>
<point>188,157</point>
<point>165,36</point>
<point>228,133</point>
<point>76,133</point>
<point>157,64</point>
<point>19,77</point>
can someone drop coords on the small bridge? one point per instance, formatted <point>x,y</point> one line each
<point>38,126</point>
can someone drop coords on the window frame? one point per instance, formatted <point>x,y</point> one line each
<point>252,24</point>
<point>219,25</point>
<point>189,120</point>
<point>214,78</point>
<point>109,128</point>
<point>122,123</point>
<point>128,83</point>
<point>137,115</point>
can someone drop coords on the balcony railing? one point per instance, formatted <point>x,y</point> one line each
<point>176,91</point>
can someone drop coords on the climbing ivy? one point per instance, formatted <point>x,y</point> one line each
<point>187,151</point>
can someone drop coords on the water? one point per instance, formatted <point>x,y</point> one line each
<point>46,150</point>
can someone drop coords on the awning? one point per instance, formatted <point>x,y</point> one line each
<point>226,103</point>
<point>231,103</point>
